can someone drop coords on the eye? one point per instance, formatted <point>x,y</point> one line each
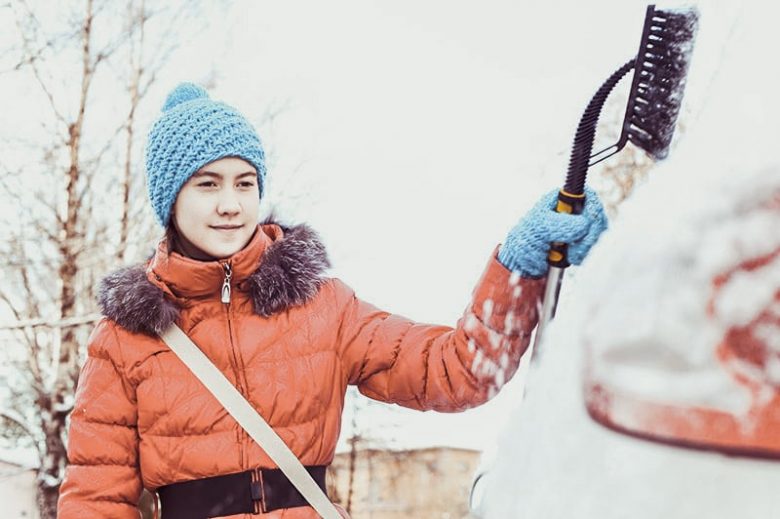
<point>246,183</point>
<point>206,183</point>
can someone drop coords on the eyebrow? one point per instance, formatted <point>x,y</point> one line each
<point>220,175</point>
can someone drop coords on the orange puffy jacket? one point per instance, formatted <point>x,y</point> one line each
<point>290,340</point>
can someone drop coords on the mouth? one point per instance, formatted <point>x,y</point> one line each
<point>226,227</point>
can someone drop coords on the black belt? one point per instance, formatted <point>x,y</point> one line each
<point>250,492</point>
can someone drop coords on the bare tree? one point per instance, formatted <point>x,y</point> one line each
<point>66,187</point>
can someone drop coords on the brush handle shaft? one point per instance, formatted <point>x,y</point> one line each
<point>571,203</point>
<point>549,303</point>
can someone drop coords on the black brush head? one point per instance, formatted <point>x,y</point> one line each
<point>659,78</point>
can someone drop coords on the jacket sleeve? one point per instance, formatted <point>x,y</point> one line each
<point>103,477</point>
<point>428,367</point>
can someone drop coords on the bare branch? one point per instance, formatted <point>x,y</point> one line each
<point>29,339</point>
<point>4,182</point>
<point>122,38</point>
<point>5,299</point>
<point>31,308</point>
<point>32,302</point>
<point>33,355</point>
<point>272,112</point>
<point>41,203</point>
<point>136,64</point>
<point>13,416</point>
<point>41,229</point>
<point>34,56</point>
<point>32,61</point>
<point>53,323</point>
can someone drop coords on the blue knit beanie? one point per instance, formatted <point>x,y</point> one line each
<point>192,131</point>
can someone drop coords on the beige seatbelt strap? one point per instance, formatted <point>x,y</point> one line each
<point>248,418</point>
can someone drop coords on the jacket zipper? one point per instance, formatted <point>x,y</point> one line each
<point>226,293</point>
<point>226,284</point>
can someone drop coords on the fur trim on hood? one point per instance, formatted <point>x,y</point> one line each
<point>289,274</point>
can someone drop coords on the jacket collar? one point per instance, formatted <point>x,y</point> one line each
<point>279,268</point>
<point>188,278</point>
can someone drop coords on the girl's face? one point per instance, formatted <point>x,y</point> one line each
<point>217,208</point>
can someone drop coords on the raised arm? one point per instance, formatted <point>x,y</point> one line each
<point>423,366</point>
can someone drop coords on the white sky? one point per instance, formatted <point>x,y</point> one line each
<point>414,135</point>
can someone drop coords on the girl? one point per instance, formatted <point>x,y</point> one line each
<point>256,301</point>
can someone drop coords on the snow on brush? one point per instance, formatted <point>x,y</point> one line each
<point>644,313</point>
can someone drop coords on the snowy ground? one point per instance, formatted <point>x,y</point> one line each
<point>648,281</point>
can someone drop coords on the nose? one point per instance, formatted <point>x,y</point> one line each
<point>229,203</point>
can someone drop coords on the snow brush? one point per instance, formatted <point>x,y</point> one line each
<point>660,69</point>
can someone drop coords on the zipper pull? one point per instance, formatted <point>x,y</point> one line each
<point>226,283</point>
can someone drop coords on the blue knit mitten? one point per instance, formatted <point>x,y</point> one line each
<point>528,243</point>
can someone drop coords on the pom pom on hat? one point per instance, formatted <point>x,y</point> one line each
<point>192,131</point>
<point>183,93</point>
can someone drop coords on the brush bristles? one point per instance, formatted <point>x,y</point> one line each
<point>662,65</point>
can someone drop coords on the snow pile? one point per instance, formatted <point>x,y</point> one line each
<point>644,294</point>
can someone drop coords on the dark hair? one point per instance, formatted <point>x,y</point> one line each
<point>176,242</point>
<point>171,236</point>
